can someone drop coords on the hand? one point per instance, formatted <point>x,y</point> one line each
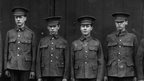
<point>0,74</point>
<point>135,79</point>
<point>39,79</point>
<point>32,75</point>
<point>64,79</point>
<point>105,78</point>
<point>140,80</point>
<point>72,79</point>
<point>7,73</point>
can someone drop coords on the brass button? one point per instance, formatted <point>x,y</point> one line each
<point>119,60</point>
<point>51,61</point>
<point>18,35</point>
<point>51,54</point>
<point>121,66</point>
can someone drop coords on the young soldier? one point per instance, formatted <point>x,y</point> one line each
<point>87,60</point>
<point>122,48</point>
<point>53,56</point>
<point>20,48</point>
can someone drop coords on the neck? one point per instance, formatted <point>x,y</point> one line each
<point>122,30</point>
<point>88,35</point>
<point>53,33</point>
<point>21,26</point>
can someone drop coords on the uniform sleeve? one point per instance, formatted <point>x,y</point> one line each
<point>100,64</point>
<point>1,55</point>
<point>38,62</point>
<point>72,63</point>
<point>6,52</point>
<point>67,62</point>
<point>33,53</point>
<point>105,57</point>
<point>139,61</point>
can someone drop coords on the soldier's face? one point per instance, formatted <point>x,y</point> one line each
<point>53,29</point>
<point>120,25</point>
<point>86,29</point>
<point>20,20</point>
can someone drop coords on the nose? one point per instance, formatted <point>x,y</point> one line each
<point>85,27</point>
<point>18,18</point>
<point>52,28</point>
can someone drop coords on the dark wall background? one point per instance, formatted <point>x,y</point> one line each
<point>70,10</point>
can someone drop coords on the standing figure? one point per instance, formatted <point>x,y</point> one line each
<point>1,55</point>
<point>53,55</point>
<point>121,51</point>
<point>19,61</point>
<point>140,61</point>
<point>87,59</point>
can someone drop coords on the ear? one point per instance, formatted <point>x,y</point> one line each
<point>25,18</point>
<point>126,22</point>
<point>59,26</point>
<point>91,27</point>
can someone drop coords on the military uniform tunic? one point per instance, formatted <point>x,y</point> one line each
<point>53,57</point>
<point>87,59</point>
<point>20,49</point>
<point>122,49</point>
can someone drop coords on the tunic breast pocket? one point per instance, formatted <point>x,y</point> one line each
<point>44,50</point>
<point>12,45</point>
<point>78,52</point>
<point>60,46</point>
<point>93,48</point>
<point>43,46</point>
<point>128,44</point>
<point>12,40</point>
<point>25,41</point>
<point>112,44</point>
<point>60,49</point>
<point>92,54</point>
<point>78,48</point>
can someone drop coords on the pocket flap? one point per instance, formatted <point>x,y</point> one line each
<point>127,44</point>
<point>44,46</point>
<point>112,44</point>
<point>78,48</point>
<point>12,40</point>
<point>60,46</point>
<point>25,41</point>
<point>93,48</point>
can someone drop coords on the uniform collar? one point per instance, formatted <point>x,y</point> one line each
<point>20,29</point>
<point>83,38</point>
<point>54,36</point>
<point>121,33</point>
